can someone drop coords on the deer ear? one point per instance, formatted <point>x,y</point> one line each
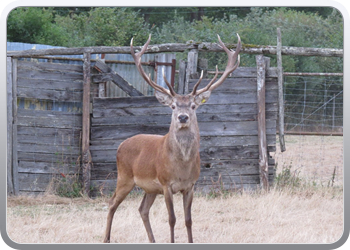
<point>164,99</point>
<point>202,98</point>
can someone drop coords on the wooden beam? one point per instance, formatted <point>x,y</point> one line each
<point>86,155</point>
<point>263,160</point>
<point>181,47</point>
<point>280,91</point>
<point>110,75</point>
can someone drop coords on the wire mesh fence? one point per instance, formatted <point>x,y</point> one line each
<point>313,104</point>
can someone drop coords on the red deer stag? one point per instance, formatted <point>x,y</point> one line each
<point>170,163</point>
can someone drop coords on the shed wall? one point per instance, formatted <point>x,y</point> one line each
<point>228,129</point>
<point>48,123</point>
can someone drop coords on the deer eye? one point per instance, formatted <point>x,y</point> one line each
<point>173,106</point>
<point>193,106</point>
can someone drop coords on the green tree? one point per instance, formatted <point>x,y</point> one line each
<point>103,26</point>
<point>34,25</point>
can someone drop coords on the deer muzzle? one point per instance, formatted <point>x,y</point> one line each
<point>183,118</point>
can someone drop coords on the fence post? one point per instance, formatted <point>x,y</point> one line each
<point>263,160</point>
<point>86,155</point>
<point>10,187</point>
<point>280,91</point>
<point>191,69</point>
<point>333,113</point>
<point>182,77</point>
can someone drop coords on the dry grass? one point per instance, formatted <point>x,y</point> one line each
<point>306,213</point>
<point>313,157</point>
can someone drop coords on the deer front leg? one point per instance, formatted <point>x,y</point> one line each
<point>187,202</point>
<point>145,206</point>
<point>168,195</point>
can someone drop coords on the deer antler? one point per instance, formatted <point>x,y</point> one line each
<point>137,59</point>
<point>233,56</point>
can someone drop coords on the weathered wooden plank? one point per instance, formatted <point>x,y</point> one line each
<point>44,118</point>
<point>56,157</point>
<point>104,171</point>
<point>71,139</point>
<point>50,132</point>
<point>206,153</point>
<point>109,170</point>
<point>50,84</point>
<point>236,84</point>
<point>111,106</point>
<point>246,72</point>
<point>166,119</point>
<point>240,96</point>
<point>205,141</point>
<point>151,101</point>
<point>230,152</point>
<point>227,181</point>
<point>34,182</point>
<point>57,75</point>
<point>46,168</point>
<point>206,129</point>
<point>163,110</point>
<point>204,183</point>
<point>53,148</point>
<point>48,94</point>
<point>46,66</point>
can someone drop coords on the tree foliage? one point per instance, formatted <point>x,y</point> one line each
<point>114,26</point>
<point>103,27</point>
<point>34,25</point>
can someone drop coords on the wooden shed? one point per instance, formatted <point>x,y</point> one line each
<point>237,125</point>
<point>228,124</point>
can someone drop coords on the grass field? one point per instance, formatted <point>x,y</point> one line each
<point>306,207</point>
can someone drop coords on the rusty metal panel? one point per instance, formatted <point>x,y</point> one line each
<point>130,73</point>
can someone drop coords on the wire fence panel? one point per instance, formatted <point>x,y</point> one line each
<point>313,103</point>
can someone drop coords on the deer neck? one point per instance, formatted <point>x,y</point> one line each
<point>184,142</point>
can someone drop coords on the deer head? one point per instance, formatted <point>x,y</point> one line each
<point>184,106</point>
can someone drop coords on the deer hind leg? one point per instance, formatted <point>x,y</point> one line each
<point>145,206</point>
<point>122,190</point>
<point>187,202</point>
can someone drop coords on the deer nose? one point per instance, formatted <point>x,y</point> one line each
<point>183,118</point>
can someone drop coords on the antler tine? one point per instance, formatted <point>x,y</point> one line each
<point>172,91</point>
<point>209,84</point>
<point>197,84</point>
<point>232,64</point>
<point>137,59</point>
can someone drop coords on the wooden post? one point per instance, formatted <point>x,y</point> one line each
<point>14,128</point>
<point>86,155</point>
<point>182,77</point>
<point>10,188</point>
<point>263,160</point>
<point>333,113</point>
<point>191,69</point>
<point>280,91</point>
